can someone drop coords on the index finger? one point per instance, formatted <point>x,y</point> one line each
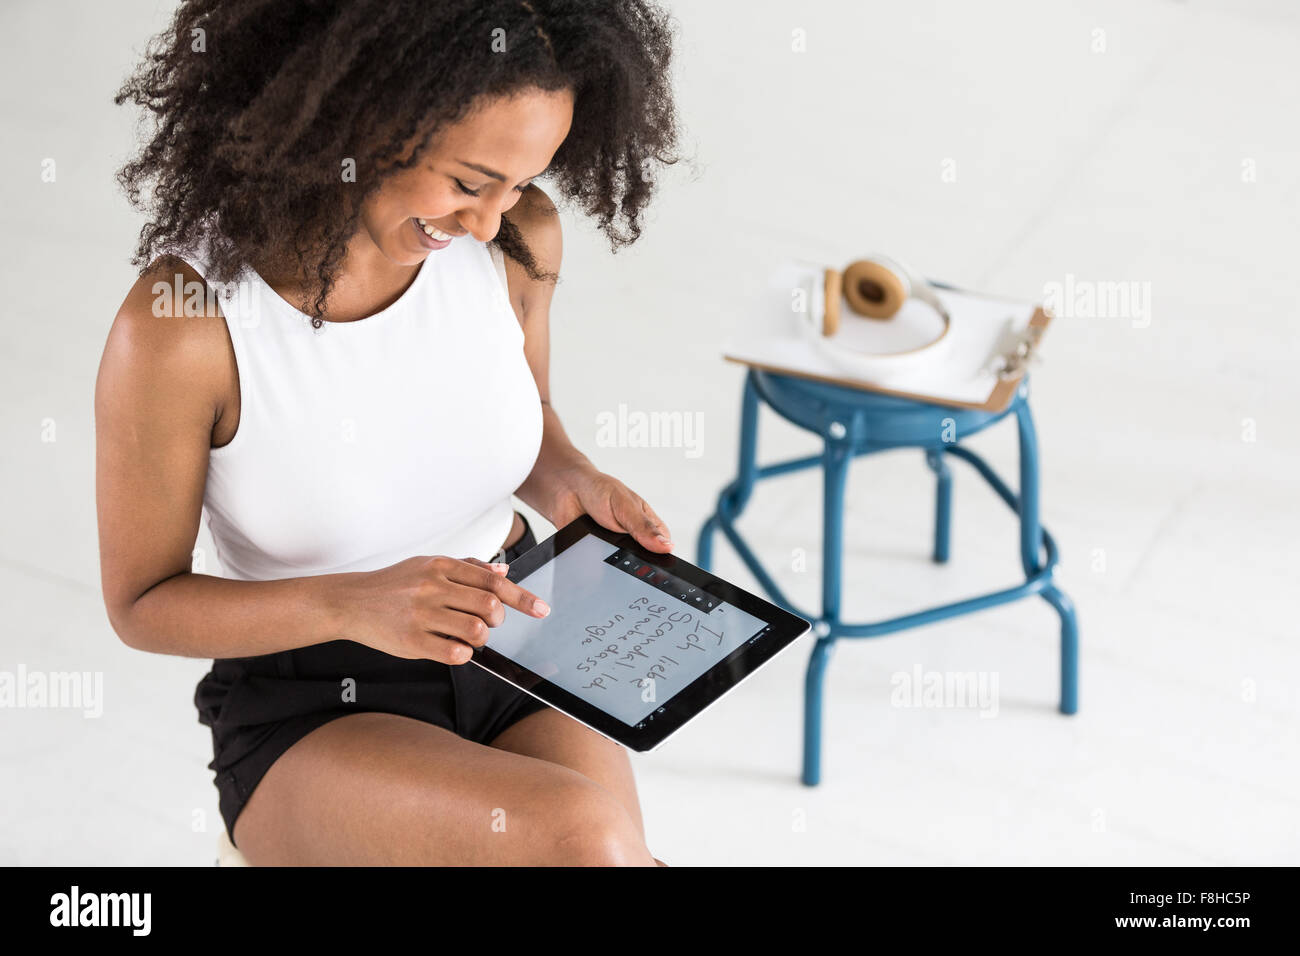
<point>507,591</point>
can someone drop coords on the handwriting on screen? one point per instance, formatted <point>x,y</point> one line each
<point>643,644</point>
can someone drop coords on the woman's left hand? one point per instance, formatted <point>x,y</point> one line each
<point>613,505</point>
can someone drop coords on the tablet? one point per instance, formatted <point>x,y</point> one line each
<point>637,642</point>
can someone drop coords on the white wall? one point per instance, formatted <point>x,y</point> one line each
<point>1117,164</point>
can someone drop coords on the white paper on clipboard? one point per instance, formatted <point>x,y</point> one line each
<point>965,372</point>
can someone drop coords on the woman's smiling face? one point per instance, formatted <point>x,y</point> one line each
<point>474,172</point>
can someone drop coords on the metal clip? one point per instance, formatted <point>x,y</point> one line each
<point>1023,351</point>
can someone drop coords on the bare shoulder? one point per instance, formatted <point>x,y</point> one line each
<point>169,342</point>
<point>538,221</point>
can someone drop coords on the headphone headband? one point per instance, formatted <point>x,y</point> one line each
<point>876,287</point>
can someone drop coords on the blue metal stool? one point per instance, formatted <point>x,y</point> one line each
<point>854,422</point>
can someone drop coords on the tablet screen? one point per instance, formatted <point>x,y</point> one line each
<point>624,634</point>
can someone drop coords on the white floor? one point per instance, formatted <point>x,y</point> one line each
<point>1169,157</point>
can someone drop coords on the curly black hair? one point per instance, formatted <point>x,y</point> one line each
<point>256,103</point>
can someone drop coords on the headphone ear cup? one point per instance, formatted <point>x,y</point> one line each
<point>834,286</point>
<point>873,290</point>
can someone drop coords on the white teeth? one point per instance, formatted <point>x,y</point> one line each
<point>432,231</point>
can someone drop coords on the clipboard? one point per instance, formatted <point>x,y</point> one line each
<point>994,341</point>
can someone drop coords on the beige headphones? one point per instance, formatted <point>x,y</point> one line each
<point>875,287</point>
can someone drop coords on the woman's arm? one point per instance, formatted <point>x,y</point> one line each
<point>164,385</point>
<point>564,483</point>
<point>535,217</point>
<point>166,388</point>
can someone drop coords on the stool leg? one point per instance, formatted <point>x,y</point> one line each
<point>942,504</point>
<point>733,498</point>
<point>747,467</point>
<point>812,711</point>
<point>704,547</point>
<point>835,465</point>
<point>1031,532</point>
<point>1031,544</point>
<point>1069,648</point>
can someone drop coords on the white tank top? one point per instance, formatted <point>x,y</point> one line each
<point>368,442</point>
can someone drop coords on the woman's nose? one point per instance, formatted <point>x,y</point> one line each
<point>482,224</point>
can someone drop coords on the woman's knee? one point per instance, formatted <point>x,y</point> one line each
<point>585,825</point>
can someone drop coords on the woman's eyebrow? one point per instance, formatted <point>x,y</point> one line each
<point>500,177</point>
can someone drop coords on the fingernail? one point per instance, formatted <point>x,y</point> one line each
<point>541,608</point>
<point>664,539</point>
<point>498,566</point>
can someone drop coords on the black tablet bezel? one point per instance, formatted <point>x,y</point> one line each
<point>783,629</point>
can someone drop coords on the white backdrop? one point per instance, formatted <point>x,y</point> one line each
<point>1001,146</point>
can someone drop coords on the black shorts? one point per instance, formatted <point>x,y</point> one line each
<point>258,707</point>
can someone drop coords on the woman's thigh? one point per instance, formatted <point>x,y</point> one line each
<point>375,788</point>
<point>559,739</point>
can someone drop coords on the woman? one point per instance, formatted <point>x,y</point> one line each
<point>338,349</point>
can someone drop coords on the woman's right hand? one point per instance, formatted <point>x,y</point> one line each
<point>430,608</point>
